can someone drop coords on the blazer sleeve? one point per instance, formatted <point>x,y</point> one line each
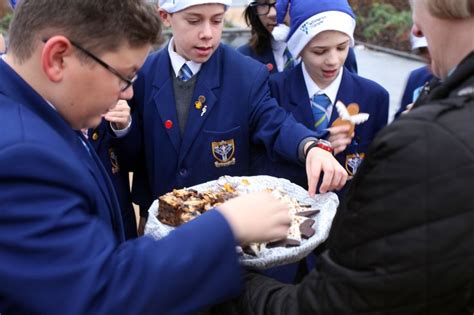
<point>59,258</point>
<point>273,126</point>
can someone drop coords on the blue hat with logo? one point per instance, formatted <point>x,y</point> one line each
<point>311,17</point>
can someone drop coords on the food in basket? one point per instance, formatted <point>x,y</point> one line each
<point>183,205</point>
<point>301,228</point>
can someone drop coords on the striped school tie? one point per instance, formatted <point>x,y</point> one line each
<point>321,106</point>
<point>185,73</point>
<point>290,62</point>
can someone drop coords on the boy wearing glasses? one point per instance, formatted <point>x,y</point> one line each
<point>103,143</point>
<point>200,107</point>
<point>63,249</point>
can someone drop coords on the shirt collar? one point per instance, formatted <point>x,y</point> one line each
<point>177,61</point>
<point>313,88</point>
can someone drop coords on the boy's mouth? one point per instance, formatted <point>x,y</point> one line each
<point>203,50</point>
<point>329,73</point>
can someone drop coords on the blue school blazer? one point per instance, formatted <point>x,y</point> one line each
<point>416,79</point>
<point>103,143</point>
<point>239,113</point>
<point>61,237</point>
<point>266,57</point>
<point>290,90</point>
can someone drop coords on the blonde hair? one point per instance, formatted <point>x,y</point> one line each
<point>451,9</point>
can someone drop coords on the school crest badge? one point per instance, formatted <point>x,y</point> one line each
<point>114,161</point>
<point>353,162</point>
<point>223,152</point>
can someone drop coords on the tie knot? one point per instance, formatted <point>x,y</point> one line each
<point>322,100</point>
<point>185,73</point>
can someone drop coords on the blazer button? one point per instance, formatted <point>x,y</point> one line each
<point>183,172</point>
<point>95,136</point>
<point>168,124</point>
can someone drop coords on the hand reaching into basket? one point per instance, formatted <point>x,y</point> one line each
<point>257,217</point>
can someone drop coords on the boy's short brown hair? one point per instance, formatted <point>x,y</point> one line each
<point>99,25</point>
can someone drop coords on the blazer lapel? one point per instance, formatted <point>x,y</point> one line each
<point>164,100</point>
<point>268,58</point>
<point>207,81</point>
<point>299,98</point>
<point>98,172</point>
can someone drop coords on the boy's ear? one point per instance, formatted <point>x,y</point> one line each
<point>53,56</point>
<point>165,17</point>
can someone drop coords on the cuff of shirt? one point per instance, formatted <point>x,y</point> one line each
<point>302,145</point>
<point>122,132</point>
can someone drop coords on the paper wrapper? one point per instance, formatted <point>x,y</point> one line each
<point>269,257</point>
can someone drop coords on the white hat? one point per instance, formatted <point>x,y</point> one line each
<point>417,42</point>
<point>325,21</point>
<point>172,6</point>
<point>309,18</point>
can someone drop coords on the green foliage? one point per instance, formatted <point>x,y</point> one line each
<point>228,24</point>
<point>382,17</point>
<point>5,22</point>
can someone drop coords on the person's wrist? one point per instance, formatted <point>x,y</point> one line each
<point>325,145</point>
<point>320,143</point>
<point>232,220</point>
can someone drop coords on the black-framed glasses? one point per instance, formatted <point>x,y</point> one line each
<point>262,8</point>
<point>126,81</point>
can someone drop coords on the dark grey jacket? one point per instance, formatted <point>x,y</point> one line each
<point>403,240</point>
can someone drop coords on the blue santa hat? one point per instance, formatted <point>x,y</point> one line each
<point>311,17</point>
<point>280,31</point>
<point>281,8</point>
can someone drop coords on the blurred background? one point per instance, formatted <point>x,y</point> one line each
<point>382,38</point>
<point>384,23</point>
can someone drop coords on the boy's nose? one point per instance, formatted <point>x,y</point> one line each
<point>206,31</point>
<point>331,58</point>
